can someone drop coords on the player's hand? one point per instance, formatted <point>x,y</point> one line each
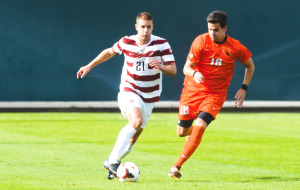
<point>240,97</point>
<point>83,71</point>
<point>155,64</point>
<point>198,77</point>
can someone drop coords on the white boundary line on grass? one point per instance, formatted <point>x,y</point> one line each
<point>161,104</point>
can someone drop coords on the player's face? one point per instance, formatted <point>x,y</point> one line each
<point>144,30</point>
<point>216,32</point>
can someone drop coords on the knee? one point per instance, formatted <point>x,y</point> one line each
<point>137,123</point>
<point>182,132</point>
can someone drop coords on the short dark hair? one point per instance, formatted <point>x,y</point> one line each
<point>217,17</point>
<point>144,16</point>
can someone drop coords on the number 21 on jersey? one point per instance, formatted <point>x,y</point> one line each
<point>217,62</point>
<point>140,66</point>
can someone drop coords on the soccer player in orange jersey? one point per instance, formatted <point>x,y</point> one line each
<point>208,69</point>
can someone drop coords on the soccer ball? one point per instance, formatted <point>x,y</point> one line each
<point>128,172</point>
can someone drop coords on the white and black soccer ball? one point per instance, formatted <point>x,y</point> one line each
<point>128,172</point>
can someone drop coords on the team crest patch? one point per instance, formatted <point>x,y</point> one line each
<point>227,53</point>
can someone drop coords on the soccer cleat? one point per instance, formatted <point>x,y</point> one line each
<point>106,164</point>
<point>109,175</point>
<point>112,169</point>
<point>174,172</point>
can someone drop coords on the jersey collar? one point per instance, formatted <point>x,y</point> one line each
<point>223,40</point>
<point>137,41</point>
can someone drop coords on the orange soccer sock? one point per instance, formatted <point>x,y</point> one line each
<point>190,145</point>
<point>191,130</point>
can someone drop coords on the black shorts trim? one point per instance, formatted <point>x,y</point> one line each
<point>207,117</point>
<point>185,123</point>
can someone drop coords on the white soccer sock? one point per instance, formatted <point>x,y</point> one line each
<point>128,149</point>
<point>121,143</point>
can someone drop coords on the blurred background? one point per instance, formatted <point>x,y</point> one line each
<point>43,43</point>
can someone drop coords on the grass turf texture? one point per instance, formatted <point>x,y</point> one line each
<point>67,150</point>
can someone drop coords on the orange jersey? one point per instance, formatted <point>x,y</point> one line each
<point>216,62</point>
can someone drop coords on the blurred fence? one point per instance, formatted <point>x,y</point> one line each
<point>163,106</point>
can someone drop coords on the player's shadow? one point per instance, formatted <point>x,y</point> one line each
<point>276,178</point>
<point>262,179</point>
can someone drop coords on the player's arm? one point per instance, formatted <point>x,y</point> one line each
<point>168,69</point>
<point>241,93</point>
<point>102,57</point>
<point>189,71</point>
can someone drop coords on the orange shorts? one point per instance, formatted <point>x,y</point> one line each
<point>192,103</point>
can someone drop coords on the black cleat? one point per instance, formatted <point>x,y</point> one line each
<point>109,175</point>
<point>112,169</point>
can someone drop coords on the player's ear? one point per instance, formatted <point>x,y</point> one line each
<point>225,28</point>
<point>136,26</point>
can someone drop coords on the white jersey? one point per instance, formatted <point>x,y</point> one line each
<point>137,76</point>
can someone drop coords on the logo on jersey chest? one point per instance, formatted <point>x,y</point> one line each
<point>227,52</point>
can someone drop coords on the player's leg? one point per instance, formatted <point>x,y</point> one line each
<point>184,127</point>
<point>192,142</point>
<point>135,121</point>
<point>113,161</point>
<point>188,106</point>
<point>210,106</point>
<point>146,111</point>
<point>129,104</point>
<point>131,143</point>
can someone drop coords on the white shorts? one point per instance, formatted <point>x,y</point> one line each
<point>129,100</point>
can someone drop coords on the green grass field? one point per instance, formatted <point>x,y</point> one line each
<point>67,150</point>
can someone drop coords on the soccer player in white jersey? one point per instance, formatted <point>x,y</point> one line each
<point>146,57</point>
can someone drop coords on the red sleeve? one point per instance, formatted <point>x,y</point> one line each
<point>196,50</point>
<point>243,54</point>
